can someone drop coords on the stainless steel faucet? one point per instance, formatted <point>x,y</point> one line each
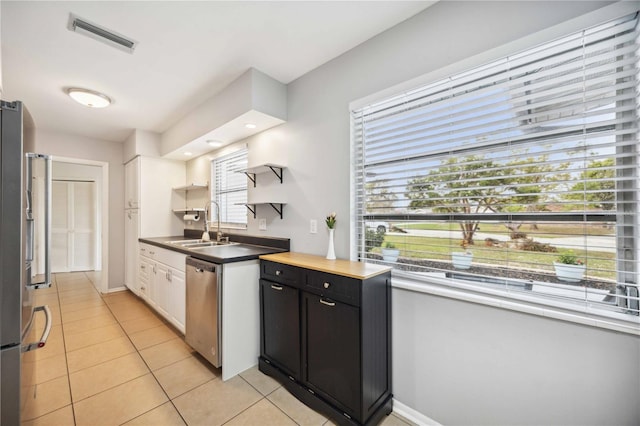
<point>219,233</point>
<point>205,234</point>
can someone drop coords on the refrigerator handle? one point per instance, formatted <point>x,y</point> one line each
<point>45,334</point>
<point>29,210</point>
<point>47,218</point>
<point>30,228</point>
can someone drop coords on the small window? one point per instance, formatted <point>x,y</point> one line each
<point>504,177</point>
<point>229,190</point>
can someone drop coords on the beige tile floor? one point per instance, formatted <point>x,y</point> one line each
<point>110,360</point>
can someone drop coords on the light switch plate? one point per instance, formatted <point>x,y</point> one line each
<point>313,226</point>
<point>262,224</point>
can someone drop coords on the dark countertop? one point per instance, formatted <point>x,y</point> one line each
<point>227,253</point>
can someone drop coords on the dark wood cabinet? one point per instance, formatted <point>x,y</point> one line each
<point>280,320</point>
<point>326,334</point>
<point>332,352</point>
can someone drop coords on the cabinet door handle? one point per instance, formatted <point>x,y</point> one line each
<point>278,273</point>
<point>276,287</point>
<point>326,285</point>
<point>326,302</point>
<point>152,252</point>
<point>142,267</point>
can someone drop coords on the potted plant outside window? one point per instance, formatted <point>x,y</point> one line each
<point>569,268</point>
<point>462,259</point>
<point>389,252</point>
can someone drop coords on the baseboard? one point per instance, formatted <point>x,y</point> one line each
<point>117,289</point>
<point>412,415</point>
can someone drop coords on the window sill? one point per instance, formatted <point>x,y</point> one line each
<point>519,303</point>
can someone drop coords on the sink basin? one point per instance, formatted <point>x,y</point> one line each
<point>195,244</point>
<point>208,244</point>
<point>201,244</point>
<point>183,242</point>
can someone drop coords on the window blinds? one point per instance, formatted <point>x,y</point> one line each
<point>231,188</point>
<point>487,157</point>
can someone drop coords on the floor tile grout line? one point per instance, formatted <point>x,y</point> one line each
<point>66,358</point>
<point>73,402</point>
<point>257,402</point>
<point>153,373</point>
<point>150,371</point>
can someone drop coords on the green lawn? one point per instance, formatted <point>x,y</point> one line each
<point>599,264</point>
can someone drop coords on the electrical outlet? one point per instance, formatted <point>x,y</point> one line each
<point>262,224</point>
<point>313,226</point>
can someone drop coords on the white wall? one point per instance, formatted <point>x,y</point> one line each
<point>456,362</point>
<point>72,146</point>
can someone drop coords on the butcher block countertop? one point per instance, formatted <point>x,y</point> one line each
<point>347,268</point>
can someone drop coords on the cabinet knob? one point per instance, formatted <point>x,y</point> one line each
<point>143,267</point>
<point>326,285</point>
<point>152,252</point>
<point>278,273</point>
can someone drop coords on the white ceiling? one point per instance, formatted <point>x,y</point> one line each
<point>186,53</point>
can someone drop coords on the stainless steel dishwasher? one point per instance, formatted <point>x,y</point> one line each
<point>204,314</point>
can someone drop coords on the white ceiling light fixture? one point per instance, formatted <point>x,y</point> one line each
<point>214,143</point>
<point>188,153</point>
<point>250,126</point>
<point>89,98</point>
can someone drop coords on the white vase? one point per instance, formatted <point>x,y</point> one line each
<point>331,252</point>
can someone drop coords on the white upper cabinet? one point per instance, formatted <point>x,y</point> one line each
<point>148,187</point>
<point>131,184</point>
<point>157,199</point>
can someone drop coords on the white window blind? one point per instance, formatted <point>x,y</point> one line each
<point>519,162</point>
<point>230,189</point>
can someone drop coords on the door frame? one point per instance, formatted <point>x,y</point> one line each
<point>103,229</point>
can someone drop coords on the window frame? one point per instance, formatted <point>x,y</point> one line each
<point>358,234</point>
<point>243,189</point>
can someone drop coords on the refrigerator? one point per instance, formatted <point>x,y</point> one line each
<point>25,206</point>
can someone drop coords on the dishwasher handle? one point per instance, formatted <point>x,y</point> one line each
<point>201,265</point>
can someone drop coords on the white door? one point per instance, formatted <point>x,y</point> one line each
<point>73,220</point>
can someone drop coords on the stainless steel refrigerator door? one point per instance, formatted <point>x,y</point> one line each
<point>10,386</point>
<point>15,312</point>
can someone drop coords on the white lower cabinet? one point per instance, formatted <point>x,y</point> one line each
<point>162,282</point>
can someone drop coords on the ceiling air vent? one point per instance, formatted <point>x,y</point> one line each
<point>97,32</point>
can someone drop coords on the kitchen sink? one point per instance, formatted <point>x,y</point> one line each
<point>182,242</point>
<point>206,244</point>
<point>195,244</point>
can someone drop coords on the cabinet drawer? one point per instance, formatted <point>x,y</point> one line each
<point>148,250</point>
<point>280,273</point>
<point>336,287</point>
<point>171,258</point>
<point>144,269</point>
